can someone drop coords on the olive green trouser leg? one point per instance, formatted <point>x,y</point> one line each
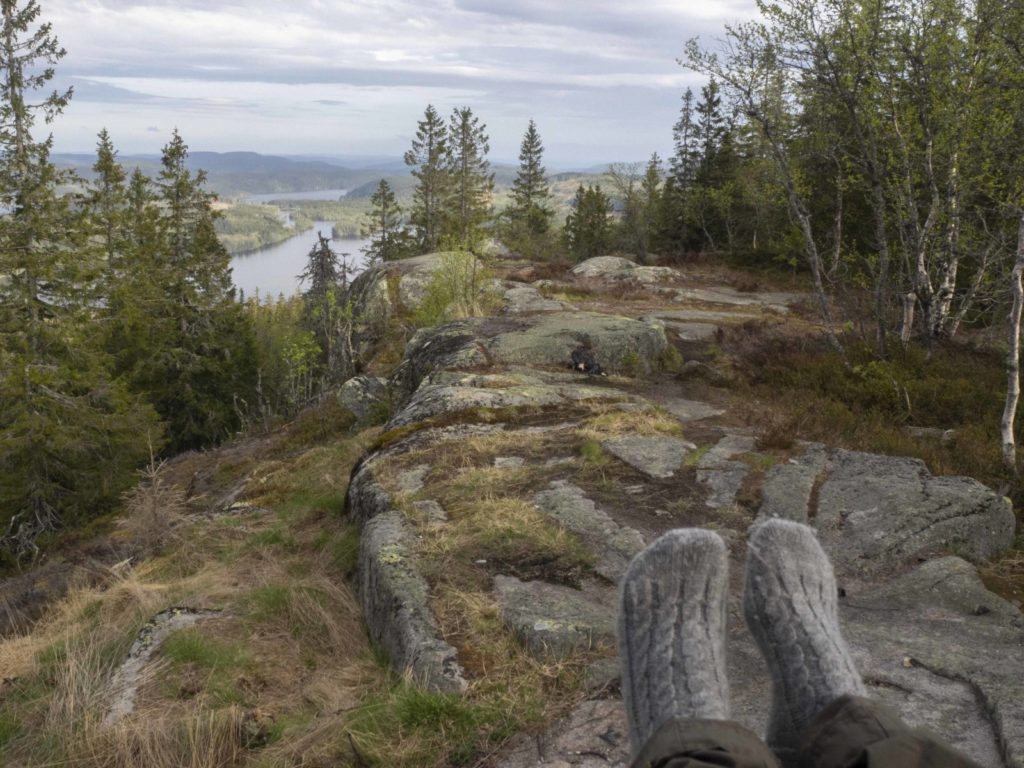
<point>683,743</point>
<point>854,732</point>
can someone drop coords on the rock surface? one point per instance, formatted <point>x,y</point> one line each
<point>657,457</point>
<point>618,268</point>
<point>395,601</point>
<point>722,475</point>
<point>612,545</point>
<point>787,488</point>
<point>554,618</point>
<point>365,396</point>
<point>522,299</point>
<point>928,636</point>
<point>875,512</point>
<point>124,686</point>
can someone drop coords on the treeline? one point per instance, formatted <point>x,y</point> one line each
<point>894,130</point>
<point>120,335</point>
<point>718,192</point>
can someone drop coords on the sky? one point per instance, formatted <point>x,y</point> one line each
<point>328,77</point>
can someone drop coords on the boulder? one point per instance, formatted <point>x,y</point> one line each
<point>365,396</point>
<point>520,299</point>
<point>876,512</point>
<point>380,293</point>
<point>618,268</point>
<point>619,344</point>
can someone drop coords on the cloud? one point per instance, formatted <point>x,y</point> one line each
<point>236,74</point>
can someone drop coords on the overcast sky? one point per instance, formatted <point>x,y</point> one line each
<point>336,77</point>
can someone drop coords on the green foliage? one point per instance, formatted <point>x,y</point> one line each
<point>191,646</point>
<point>468,205</point>
<point>70,433</point>
<point>531,197</point>
<point>346,214</point>
<point>180,339</point>
<point>389,240</point>
<point>587,228</point>
<point>405,712</point>
<point>458,288</point>
<point>288,356</point>
<point>428,159</point>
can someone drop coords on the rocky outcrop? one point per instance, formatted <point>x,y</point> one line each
<point>927,635</point>
<point>875,512</point>
<point>365,396</point>
<point>620,269</point>
<point>619,344</point>
<point>395,601</point>
<point>388,290</point>
<point>453,394</point>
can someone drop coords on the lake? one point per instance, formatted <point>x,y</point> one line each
<point>275,269</point>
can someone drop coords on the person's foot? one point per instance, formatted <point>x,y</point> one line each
<point>672,632</point>
<point>790,603</point>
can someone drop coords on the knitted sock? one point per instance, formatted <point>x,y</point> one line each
<point>790,603</point>
<point>672,632</point>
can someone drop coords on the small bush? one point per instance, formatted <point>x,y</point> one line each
<point>153,508</point>
<point>459,287</point>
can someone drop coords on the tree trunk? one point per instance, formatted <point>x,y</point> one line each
<point>1013,357</point>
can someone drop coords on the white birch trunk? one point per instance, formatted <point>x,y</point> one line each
<point>1013,356</point>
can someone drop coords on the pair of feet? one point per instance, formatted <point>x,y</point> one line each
<point>672,625</point>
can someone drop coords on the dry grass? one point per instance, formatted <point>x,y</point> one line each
<point>612,422</point>
<point>1005,575</point>
<point>229,691</point>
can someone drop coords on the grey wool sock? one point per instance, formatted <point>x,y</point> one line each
<point>672,632</point>
<point>791,606</point>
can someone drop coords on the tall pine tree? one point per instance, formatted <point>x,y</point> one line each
<point>472,183</point>
<point>531,195</point>
<point>429,160</point>
<point>388,239</point>
<point>69,434</point>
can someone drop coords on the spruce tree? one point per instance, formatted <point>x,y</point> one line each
<point>587,228</point>
<point>471,181</point>
<point>325,314</point>
<point>531,196</point>
<point>428,159</point>
<point>108,205</point>
<point>384,227</point>
<point>184,343</point>
<point>682,166</point>
<point>69,434</point>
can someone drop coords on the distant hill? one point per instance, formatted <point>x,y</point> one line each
<point>232,173</point>
<point>236,173</point>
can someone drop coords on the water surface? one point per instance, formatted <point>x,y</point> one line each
<point>275,269</point>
